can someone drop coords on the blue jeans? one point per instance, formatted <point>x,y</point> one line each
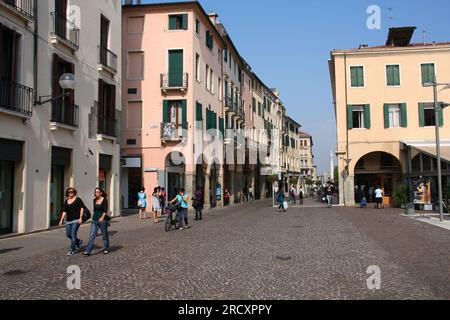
<point>183,216</point>
<point>94,229</point>
<point>71,233</point>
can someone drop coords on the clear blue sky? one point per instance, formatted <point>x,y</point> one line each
<point>288,43</point>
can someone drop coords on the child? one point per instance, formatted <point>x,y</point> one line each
<point>363,203</point>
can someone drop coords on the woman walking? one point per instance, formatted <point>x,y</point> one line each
<point>100,220</point>
<point>182,200</point>
<point>142,204</point>
<point>281,198</point>
<point>156,204</point>
<point>73,210</point>
<point>198,204</point>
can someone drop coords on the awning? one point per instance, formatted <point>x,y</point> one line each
<point>429,148</point>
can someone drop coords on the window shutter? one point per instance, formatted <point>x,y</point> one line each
<point>386,116</point>
<point>441,118</point>
<point>184,114</point>
<point>222,126</point>
<point>354,76</point>
<point>360,76</point>
<point>390,75</point>
<point>367,116</point>
<point>185,21</point>
<point>112,103</point>
<point>396,75</point>
<point>350,117</point>
<point>166,115</point>
<point>101,104</point>
<point>404,115</point>
<point>422,115</point>
<point>199,112</point>
<point>172,22</point>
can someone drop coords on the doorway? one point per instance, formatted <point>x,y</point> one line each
<point>6,196</point>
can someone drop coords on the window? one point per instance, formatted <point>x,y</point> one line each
<point>259,108</point>
<point>132,90</point>
<point>106,108</point>
<point>211,79</point>
<point>207,78</point>
<point>225,54</point>
<point>178,22</point>
<point>135,67</point>
<point>63,110</point>
<point>197,67</point>
<point>209,40</point>
<point>131,142</point>
<point>9,54</point>
<point>428,72</point>
<point>197,26</point>
<point>357,76</point>
<point>395,115</point>
<point>427,115</point>
<point>104,38</point>
<point>220,89</point>
<point>254,105</point>
<point>358,117</point>
<point>135,24</point>
<point>393,75</point>
<point>174,111</point>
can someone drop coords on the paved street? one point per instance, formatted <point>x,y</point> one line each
<point>245,252</point>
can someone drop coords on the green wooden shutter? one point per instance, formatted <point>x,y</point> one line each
<point>185,21</point>
<point>360,76</point>
<point>396,76</point>
<point>422,114</point>
<point>172,22</point>
<point>354,76</point>
<point>427,72</point>
<point>390,75</point>
<point>386,116</point>
<point>222,126</point>
<point>199,112</point>
<point>175,68</point>
<point>441,118</point>
<point>166,111</point>
<point>350,117</point>
<point>208,119</point>
<point>184,122</point>
<point>367,116</point>
<point>404,114</point>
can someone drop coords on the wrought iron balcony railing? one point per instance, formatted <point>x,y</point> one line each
<point>65,30</point>
<point>174,81</point>
<point>16,97</point>
<point>23,7</point>
<point>173,132</point>
<point>66,114</point>
<point>107,127</point>
<point>108,58</point>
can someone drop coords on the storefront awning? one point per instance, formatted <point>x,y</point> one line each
<point>429,148</point>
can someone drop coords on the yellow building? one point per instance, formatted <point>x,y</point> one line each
<point>385,118</point>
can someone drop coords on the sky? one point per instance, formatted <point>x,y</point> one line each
<point>288,44</point>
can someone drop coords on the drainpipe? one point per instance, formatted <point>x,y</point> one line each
<point>35,52</point>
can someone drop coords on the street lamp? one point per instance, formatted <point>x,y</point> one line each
<point>438,107</point>
<point>66,82</point>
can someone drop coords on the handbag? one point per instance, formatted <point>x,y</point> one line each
<point>285,205</point>
<point>86,214</point>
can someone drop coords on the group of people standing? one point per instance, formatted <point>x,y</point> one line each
<point>75,213</point>
<point>371,195</point>
<point>181,201</point>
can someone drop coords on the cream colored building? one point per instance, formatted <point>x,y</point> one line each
<point>292,147</point>
<point>68,142</point>
<point>307,167</point>
<point>384,115</point>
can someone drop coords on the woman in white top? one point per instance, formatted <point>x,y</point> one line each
<point>379,197</point>
<point>156,204</point>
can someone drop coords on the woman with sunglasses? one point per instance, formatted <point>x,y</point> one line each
<point>100,220</point>
<point>73,210</point>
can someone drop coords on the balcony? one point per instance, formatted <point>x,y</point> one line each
<point>106,129</point>
<point>23,8</point>
<point>64,116</point>
<point>174,81</point>
<point>16,99</point>
<point>107,60</point>
<point>64,32</point>
<point>171,132</point>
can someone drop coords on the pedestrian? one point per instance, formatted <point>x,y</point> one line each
<point>100,220</point>
<point>156,205</point>
<point>245,194</point>
<point>329,193</point>
<point>163,199</point>
<point>142,204</point>
<point>182,200</point>
<point>292,195</point>
<point>226,198</point>
<point>281,198</point>
<point>198,204</point>
<point>250,194</point>
<point>301,195</point>
<point>73,209</point>
<point>379,197</point>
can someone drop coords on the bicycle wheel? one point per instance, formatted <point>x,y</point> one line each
<point>168,224</point>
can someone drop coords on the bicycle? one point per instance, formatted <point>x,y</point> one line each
<point>172,219</point>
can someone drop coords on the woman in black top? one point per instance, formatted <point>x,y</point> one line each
<point>73,210</point>
<point>100,220</point>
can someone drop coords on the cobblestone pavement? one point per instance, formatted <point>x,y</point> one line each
<point>245,252</point>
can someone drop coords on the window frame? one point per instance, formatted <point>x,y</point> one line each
<point>362,119</point>
<point>420,69</point>
<point>364,76</point>
<point>399,75</point>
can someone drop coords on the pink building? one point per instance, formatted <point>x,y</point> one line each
<point>172,84</point>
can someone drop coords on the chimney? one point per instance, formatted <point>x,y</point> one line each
<point>214,17</point>
<point>128,2</point>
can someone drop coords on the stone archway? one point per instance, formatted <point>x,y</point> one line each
<point>175,169</point>
<point>377,169</point>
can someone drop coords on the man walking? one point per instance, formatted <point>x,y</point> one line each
<point>330,192</point>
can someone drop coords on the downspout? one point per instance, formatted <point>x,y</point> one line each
<point>346,171</point>
<point>35,52</point>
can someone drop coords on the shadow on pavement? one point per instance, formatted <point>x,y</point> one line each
<point>3,251</point>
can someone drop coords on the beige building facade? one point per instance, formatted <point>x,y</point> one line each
<point>385,115</point>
